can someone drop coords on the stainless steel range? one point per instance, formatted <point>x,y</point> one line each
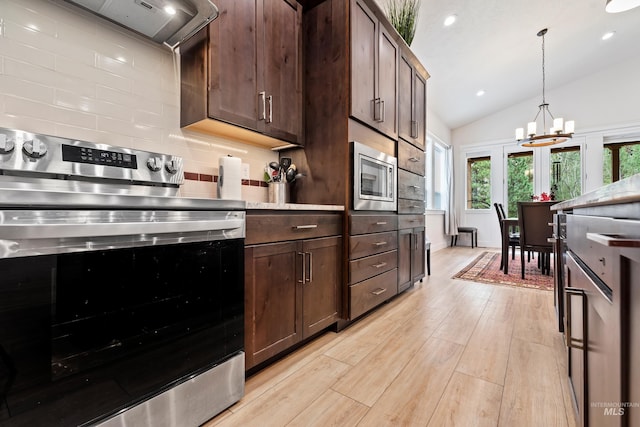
<point>120,302</point>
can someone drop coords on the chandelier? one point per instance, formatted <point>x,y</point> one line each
<point>559,132</point>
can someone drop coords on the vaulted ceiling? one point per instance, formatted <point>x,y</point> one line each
<point>493,46</point>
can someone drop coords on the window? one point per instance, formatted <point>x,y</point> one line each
<point>439,181</point>
<point>479,182</point>
<point>519,180</point>
<point>621,160</point>
<point>435,175</point>
<point>565,179</point>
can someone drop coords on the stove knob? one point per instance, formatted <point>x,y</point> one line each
<point>34,148</point>
<point>154,164</point>
<point>6,145</point>
<point>171,166</point>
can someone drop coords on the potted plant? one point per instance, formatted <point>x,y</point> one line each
<point>403,15</point>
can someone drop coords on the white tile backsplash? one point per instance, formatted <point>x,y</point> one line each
<point>66,72</point>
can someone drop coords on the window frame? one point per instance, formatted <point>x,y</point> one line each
<point>468,200</point>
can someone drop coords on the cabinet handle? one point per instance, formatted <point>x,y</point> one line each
<point>414,186</point>
<point>414,128</point>
<point>381,223</point>
<point>382,114</point>
<point>578,344</point>
<point>262,100</point>
<point>382,264</point>
<point>304,275</point>
<point>305,227</point>
<point>380,243</point>
<point>617,240</point>
<point>270,104</point>
<point>310,279</point>
<point>376,110</point>
<point>379,291</point>
<point>414,159</point>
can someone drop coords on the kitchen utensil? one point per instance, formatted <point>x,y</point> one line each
<point>285,162</point>
<point>275,166</point>
<point>291,174</point>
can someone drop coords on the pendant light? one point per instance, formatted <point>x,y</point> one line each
<point>560,130</point>
<point>615,6</point>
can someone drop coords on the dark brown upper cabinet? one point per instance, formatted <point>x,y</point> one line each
<point>374,71</point>
<point>244,71</point>
<point>412,101</point>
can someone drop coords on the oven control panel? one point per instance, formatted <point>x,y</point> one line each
<point>32,154</point>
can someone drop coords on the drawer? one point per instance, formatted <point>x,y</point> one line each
<point>373,265</point>
<point>365,295</point>
<point>363,224</point>
<point>370,244</point>
<point>601,259</point>
<point>282,227</point>
<point>410,186</point>
<point>406,206</point>
<point>410,158</point>
<point>410,221</point>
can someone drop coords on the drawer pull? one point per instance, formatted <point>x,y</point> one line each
<point>380,243</point>
<point>414,159</point>
<point>379,291</point>
<point>305,227</point>
<point>617,240</point>
<point>414,186</point>
<point>382,264</point>
<point>381,223</point>
<point>576,343</point>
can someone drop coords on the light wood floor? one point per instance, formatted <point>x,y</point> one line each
<point>445,353</point>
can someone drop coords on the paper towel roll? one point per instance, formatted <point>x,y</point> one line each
<point>230,178</point>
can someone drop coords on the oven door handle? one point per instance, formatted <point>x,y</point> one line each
<point>69,230</point>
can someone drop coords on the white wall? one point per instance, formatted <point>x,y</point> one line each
<point>605,108</point>
<point>68,73</point>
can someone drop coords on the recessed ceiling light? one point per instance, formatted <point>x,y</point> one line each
<point>169,10</point>
<point>608,35</point>
<point>480,92</point>
<point>449,20</point>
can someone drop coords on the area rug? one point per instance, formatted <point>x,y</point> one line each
<point>486,269</point>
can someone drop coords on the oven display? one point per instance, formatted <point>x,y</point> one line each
<point>73,153</point>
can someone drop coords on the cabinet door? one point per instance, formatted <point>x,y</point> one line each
<point>405,99</point>
<point>233,93</point>
<point>323,277</point>
<point>364,46</point>
<point>404,259</point>
<point>282,69</point>
<point>419,111</point>
<point>388,84</point>
<point>417,254</point>
<point>273,300</point>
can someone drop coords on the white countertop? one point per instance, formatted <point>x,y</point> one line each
<point>293,207</point>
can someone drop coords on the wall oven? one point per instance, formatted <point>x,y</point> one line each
<point>120,303</point>
<point>375,176</point>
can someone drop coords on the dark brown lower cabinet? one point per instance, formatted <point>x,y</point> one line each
<point>291,293</point>
<point>411,250</point>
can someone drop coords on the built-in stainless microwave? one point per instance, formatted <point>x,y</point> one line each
<point>375,177</point>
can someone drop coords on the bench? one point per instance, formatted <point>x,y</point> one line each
<point>471,230</point>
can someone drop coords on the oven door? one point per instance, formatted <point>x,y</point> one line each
<point>374,179</point>
<point>87,334</point>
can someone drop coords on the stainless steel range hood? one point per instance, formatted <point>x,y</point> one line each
<point>164,21</point>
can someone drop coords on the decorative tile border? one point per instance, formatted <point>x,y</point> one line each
<point>192,176</point>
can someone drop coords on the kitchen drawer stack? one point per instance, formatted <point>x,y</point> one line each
<point>602,303</point>
<point>373,261</point>
<point>293,277</point>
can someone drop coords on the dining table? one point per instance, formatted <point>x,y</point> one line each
<point>507,223</point>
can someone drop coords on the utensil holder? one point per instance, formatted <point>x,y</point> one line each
<point>279,192</point>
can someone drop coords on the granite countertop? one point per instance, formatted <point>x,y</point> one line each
<point>292,207</point>
<point>623,191</point>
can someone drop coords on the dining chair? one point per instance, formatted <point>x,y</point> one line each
<point>514,238</point>
<point>534,219</point>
